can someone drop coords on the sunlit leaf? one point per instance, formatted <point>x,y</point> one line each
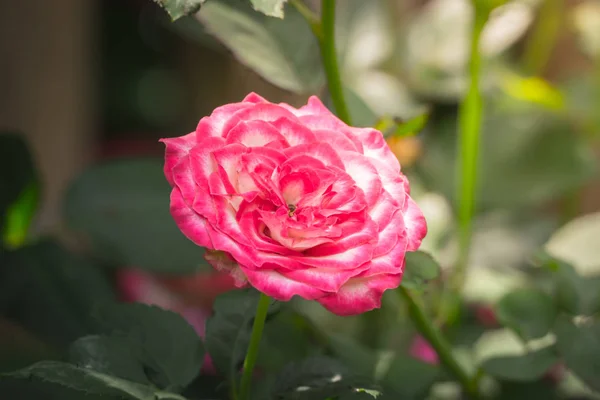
<point>272,8</point>
<point>180,8</point>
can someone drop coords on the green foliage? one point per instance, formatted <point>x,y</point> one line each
<point>180,8</point>
<point>527,157</point>
<point>419,268</point>
<point>168,348</point>
<point>319,378</point>
<point>528,367</point>
<point>123,208</point>
<point>42,284</point>
<point>284,52</point>
<point>573,293</point>
<point>90,382</point>
<point>579,346</point>
<point>18,187</point>
<point>228,329</point>
<point>529,312</point>
<point>410,378</point>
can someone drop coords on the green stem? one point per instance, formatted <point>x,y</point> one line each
<point>330,62</point>
<point>253,347</point>
<point>469,119</point>
<point>538,48</point>
<point>428,330</point>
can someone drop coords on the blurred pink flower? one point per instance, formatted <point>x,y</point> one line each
<point>422,350</point>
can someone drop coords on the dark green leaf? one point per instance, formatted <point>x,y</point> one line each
<point>51,292</point>
<point>574,294</point>
<point>228,329</point>
<point>283,340</point>
<point>579,346</point>
<point>180,8</point>
<point>284,52</point>
<point>272,8</point>
<point>89,381</point>
<point>168,347</point>
<point>529,312</point>
<point>108,355</point>
<point>319,378</point>
<point>359,359</point>
<point>123,207</point>
<point>17,172</point>
<point>410,378</point>
<point>420,267</point>
<point>528,367</point>
<point>526,158</point>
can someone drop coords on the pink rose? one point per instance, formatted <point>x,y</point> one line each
<point>295,202</point>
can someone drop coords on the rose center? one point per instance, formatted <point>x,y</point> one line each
<point>291,209</point>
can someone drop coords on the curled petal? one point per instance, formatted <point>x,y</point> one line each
<point>416,226</point>
<point>253,134</point>
<point>278,286</point>
<point>359,295</point>
<point>176,148</point>
<point>192,225</point>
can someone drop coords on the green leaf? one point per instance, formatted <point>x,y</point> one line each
<point>359,359</point>
<point>108,355</point>
<point>573,293</point>
<point>89,381</point>
<point>42,283</point>
<point>169,348</point>
<point>20,215</point>
<point>123,208</point>
<point>579,346</point>
<point>420,267</point>
<point>17,173</point>
<point>399,128</point>
<point>319,378</point>
<point>284,52</point>
<point>180,8</point>
<point>272,8</point>
<point>529,312</point>
<point>527,367</point>
<point>410,378</point>
<point>527,158</point>
<point>228,329</point>
<point>284,339</point>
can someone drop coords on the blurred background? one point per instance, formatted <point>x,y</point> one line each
<point>92,85</point>
<point>91,79</point>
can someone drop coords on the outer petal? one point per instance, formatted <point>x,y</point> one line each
<point>416,226</point>
<point>254,98</point>
<point>176,148</point>
<point>262,112</point>
<point>329,280</point>
<point>376,147</point>
<point>274,284</point>
<point>192,225</point>
<point>359,295</point>
<point>213,125</point>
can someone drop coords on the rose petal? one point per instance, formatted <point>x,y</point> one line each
<point>274,284</point>
<point>416,226</point>
<point>253,134</point>
<point>359,295</point>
